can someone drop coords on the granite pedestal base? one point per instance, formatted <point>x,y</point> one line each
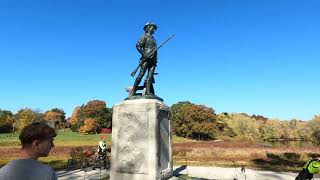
<point>141,141</point>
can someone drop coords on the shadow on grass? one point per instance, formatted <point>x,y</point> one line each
<point>313,155</point>
<point>288,161</point>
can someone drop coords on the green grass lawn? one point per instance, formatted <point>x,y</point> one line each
<point>64,138</point>
<point>69,138</point>
<point>176,139</point>
<point>9,139</point>
<point>64,141</point>
<point>185,151</point>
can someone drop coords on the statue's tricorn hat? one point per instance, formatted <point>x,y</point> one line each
<point>150,24</point>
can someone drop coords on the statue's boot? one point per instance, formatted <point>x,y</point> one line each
<point>133,91</point>
<point>149,90</point>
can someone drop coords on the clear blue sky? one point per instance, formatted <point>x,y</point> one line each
<point>258,57</point>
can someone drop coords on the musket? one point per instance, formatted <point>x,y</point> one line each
<point>151,54</point>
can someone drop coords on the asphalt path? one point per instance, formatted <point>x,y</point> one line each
<point>211,173</point>
<point>83,174</point>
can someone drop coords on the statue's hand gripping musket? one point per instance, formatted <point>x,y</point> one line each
<point>149,55</point>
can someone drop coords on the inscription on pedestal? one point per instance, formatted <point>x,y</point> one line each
<point>132,144</point>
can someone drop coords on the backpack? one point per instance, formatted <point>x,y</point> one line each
<point>305,174</point>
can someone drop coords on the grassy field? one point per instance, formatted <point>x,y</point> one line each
<point>185,152</point>
<point>64,142</point>
<point>64,138</point>
<point>252,155</point>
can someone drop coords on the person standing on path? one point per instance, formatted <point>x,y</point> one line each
<point>37,141</point>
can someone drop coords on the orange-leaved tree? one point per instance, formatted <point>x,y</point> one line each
<point>90,126</point>
<point>55,116</point>
<point>96,110</point>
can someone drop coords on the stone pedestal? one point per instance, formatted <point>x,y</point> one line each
<point>141,141</point>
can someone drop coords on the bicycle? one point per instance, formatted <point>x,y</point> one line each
<point>96,160</point>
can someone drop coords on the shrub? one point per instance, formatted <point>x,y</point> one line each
<point>106,131</point>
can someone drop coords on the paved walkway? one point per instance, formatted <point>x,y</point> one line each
<point>232,173</point>
<point>83,175</point>
<point>212,173</point>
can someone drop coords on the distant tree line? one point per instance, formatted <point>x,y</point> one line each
<point>200,122</point>
<point>188,120</point>
<point>87,118</point>
<point>10,122</point>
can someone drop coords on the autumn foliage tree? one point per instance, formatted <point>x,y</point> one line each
<point>245,127</point>
<point>193,121</point>
<point>96,110</point>
<point>222,125</point>
<point>74,120</point>
<point>315,129</point>
<point>56,116</point>
<point>27,116</point>
<point>6,121</point>
<point>90,126</point>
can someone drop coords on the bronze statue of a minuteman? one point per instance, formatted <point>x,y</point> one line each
<point>147,47</point>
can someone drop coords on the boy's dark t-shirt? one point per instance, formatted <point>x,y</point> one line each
<point>27,169</point>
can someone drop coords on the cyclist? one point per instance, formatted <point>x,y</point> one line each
<point>102,151</point>
<point>102,146</point>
